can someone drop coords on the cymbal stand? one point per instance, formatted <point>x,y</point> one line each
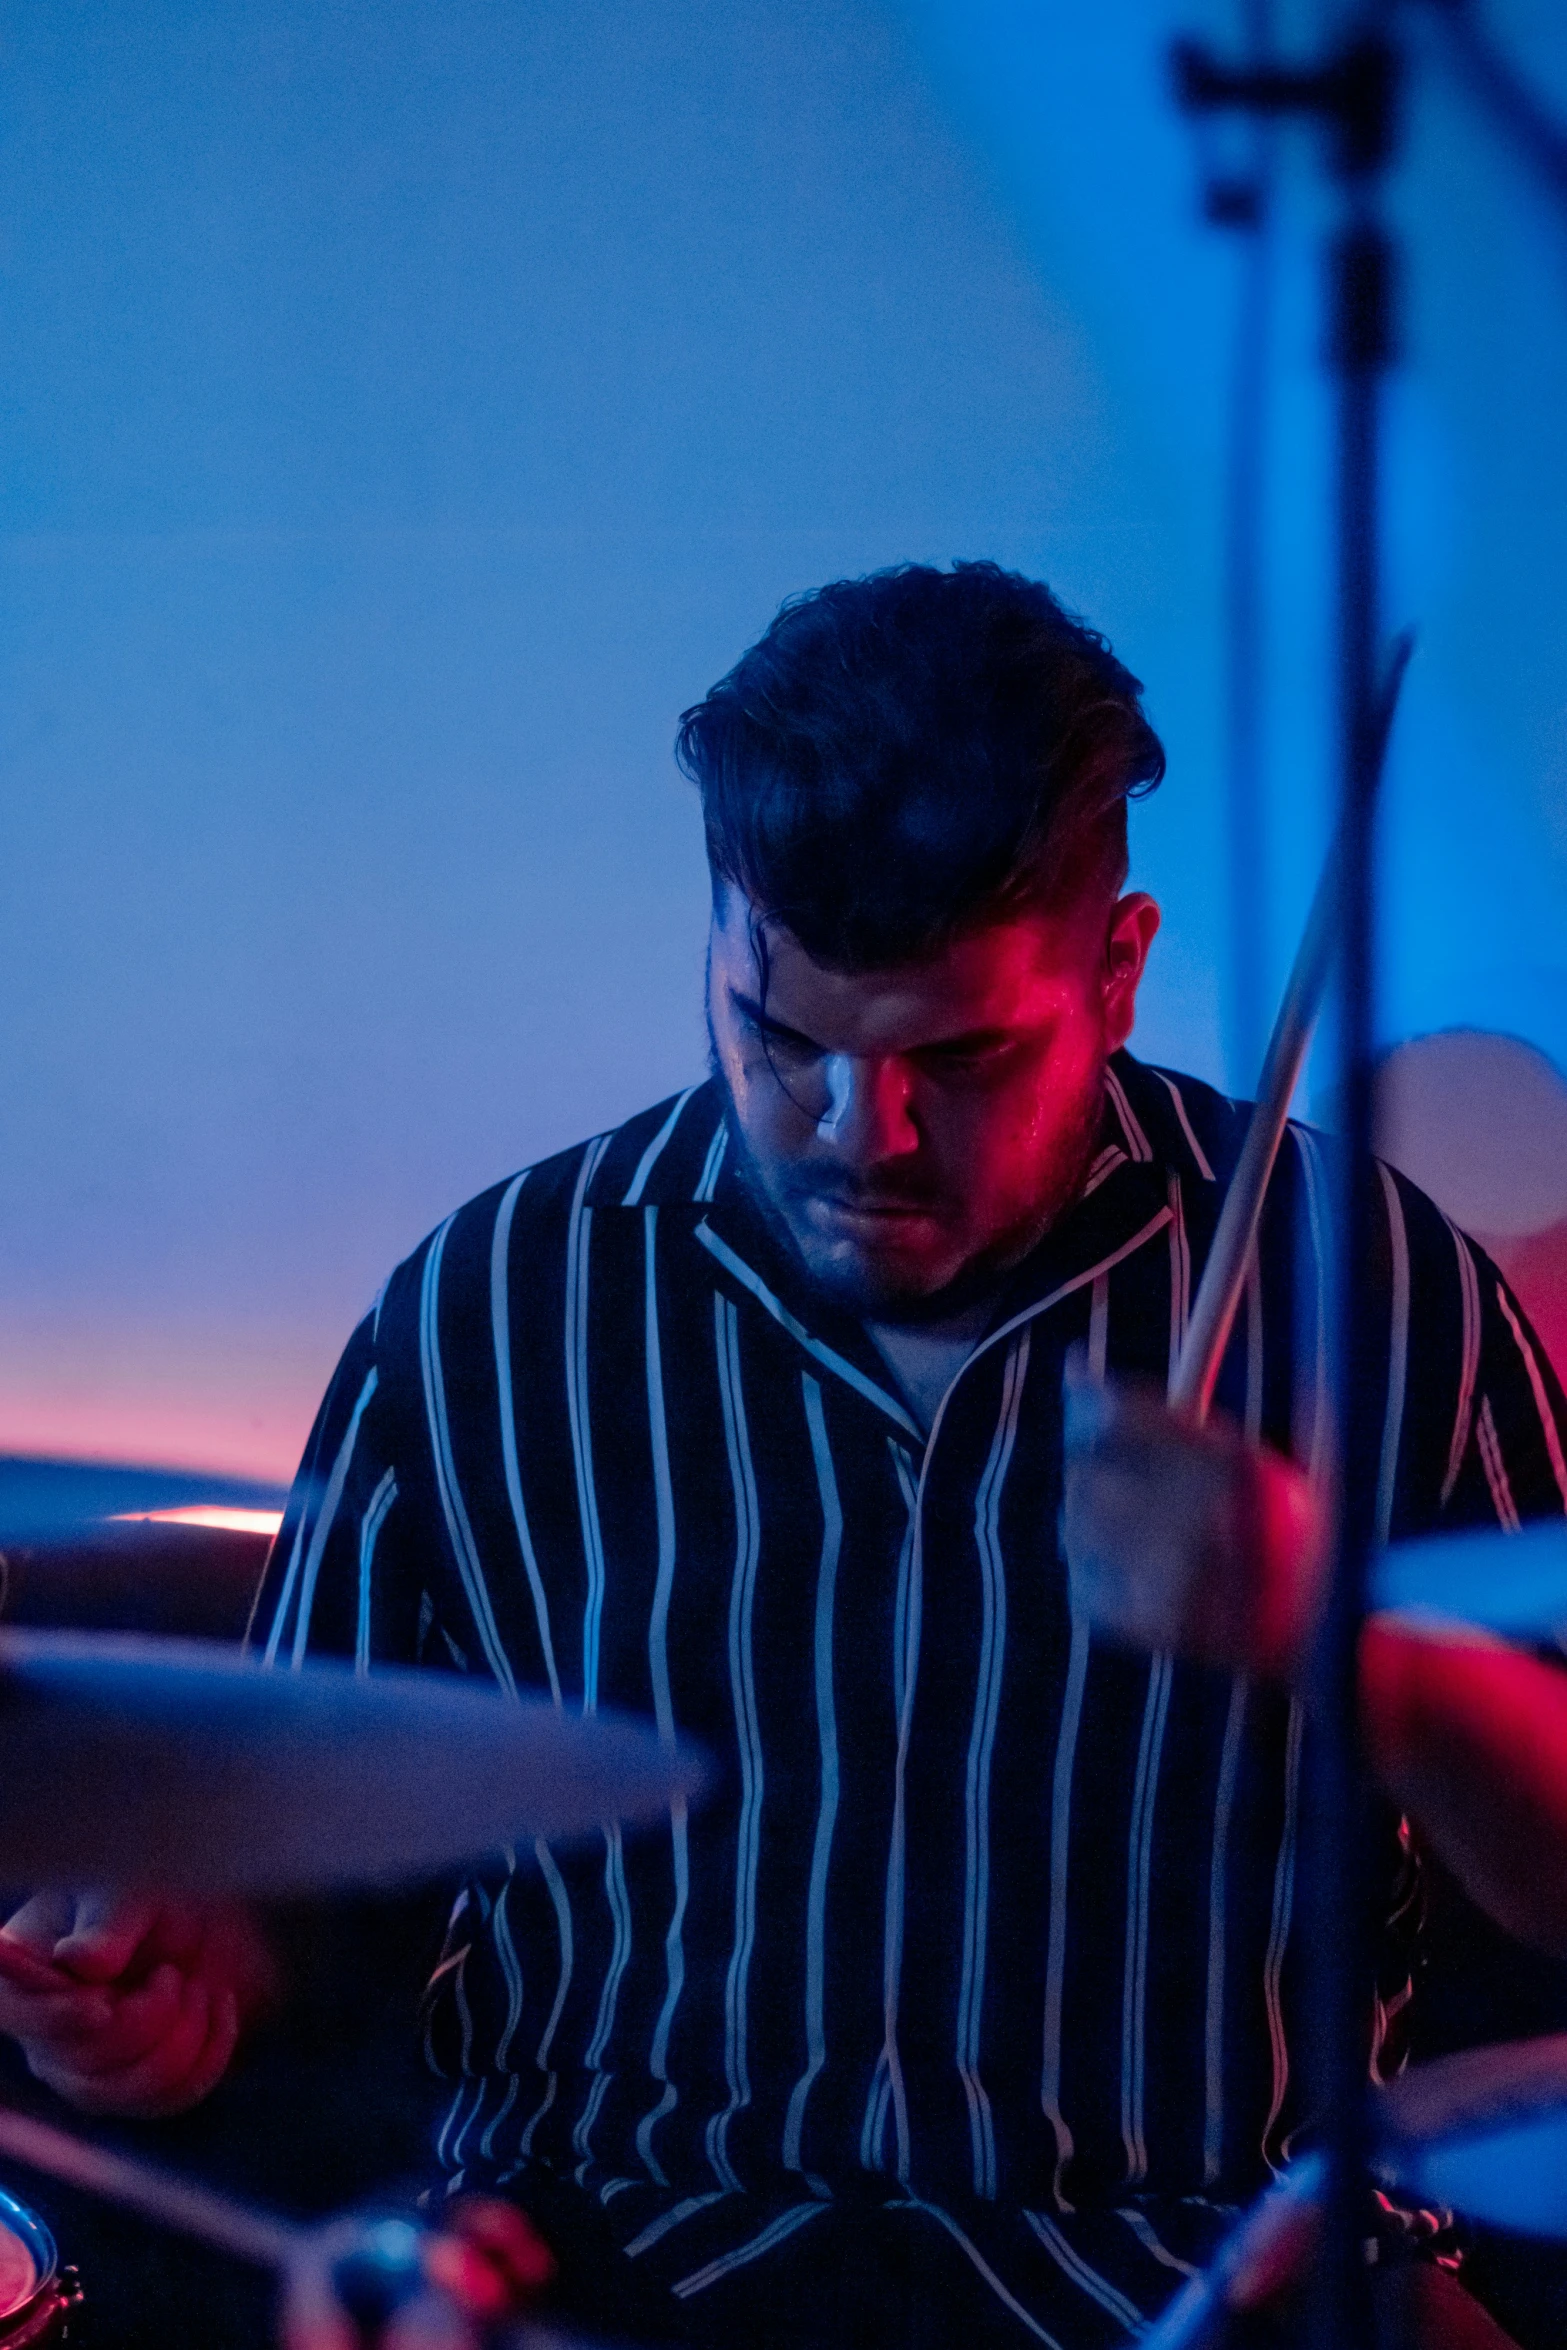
<point>1351,92</point>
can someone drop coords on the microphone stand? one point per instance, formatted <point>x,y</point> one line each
<point>1352,94</point>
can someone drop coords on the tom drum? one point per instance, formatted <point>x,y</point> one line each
<point>37,2295</point>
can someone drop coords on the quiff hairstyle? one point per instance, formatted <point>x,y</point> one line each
<point>905,758</point>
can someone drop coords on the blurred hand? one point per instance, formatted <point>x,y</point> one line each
<point>1192,1541</point>
<point>140,2004</point>
<point>1185,1539</point>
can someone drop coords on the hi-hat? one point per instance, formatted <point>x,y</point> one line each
<point>182,1764</point>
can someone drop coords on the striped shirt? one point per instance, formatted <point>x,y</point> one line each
<point>989,1930</point>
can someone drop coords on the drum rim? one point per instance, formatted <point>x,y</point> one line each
<point>35,2234</point>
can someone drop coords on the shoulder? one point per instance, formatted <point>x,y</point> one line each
<point>1191,1125</point>
<point>1175,1119</point>
<point>665,1155</point>
<point>1192,1128</point>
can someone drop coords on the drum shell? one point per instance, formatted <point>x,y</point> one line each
<point>44,2317</point>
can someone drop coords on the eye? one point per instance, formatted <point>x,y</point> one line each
<point>778,1042</point>
<point>967,1058</point>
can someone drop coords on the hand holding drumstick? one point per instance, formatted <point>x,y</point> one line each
<point>126,2005</point>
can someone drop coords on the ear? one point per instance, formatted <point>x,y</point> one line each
<point>729,903</point>
<point>1134,923</point>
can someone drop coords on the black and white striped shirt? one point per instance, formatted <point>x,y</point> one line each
<point>989,1929</point>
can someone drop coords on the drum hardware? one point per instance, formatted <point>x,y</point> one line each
<point>1483,2132</point>
<point>219,1775</point>
<point>459,2286</point>
<point>185,1766</point>
<point>1350,90</point>
<point>37,2295</point>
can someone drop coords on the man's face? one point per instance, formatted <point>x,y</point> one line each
<point>915,1131</point>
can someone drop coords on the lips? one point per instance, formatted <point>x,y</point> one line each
<point>868,1215</point>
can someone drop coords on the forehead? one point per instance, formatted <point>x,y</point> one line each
<point>1012,975</point>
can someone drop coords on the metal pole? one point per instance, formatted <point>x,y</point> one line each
<point>1352,94</point>
<point>1246,636</point>
<point>1338,1839</point>
<point>1337,1823</point>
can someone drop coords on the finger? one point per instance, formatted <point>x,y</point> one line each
<point>162,2082</point>
<point>136,2023</point>
<point>107,1932</point>
<point>216,2057</point>
<point>40,1922</point>
<point>150,2086</point>
<point>172,2055</point>
<point>24,1970</point>
<point>66,2016</point>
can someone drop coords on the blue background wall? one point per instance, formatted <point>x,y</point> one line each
<point>409,407</point>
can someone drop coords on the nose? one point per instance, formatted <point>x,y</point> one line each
<point>869,1117</point>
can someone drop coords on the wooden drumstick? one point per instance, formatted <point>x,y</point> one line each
<point>1224,1275</point>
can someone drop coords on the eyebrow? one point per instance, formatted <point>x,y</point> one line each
<point>969,1041</point>
<point>760,1019</point>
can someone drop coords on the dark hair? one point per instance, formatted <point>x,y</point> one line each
<point>905,757</point>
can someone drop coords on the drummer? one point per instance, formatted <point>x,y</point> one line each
<point>816,1415</point>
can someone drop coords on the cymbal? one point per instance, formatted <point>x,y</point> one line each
<point>43,1500</point>
<point>1508,1583</point>
<point>1483,2132</point>
<point>184,1765</point>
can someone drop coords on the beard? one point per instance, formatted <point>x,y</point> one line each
<point>855,1281</point>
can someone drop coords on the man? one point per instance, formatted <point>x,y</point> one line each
<point>970,2001</point>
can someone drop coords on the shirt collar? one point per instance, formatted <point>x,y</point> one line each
<point>1127,1187</point>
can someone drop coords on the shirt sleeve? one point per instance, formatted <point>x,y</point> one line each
<point>1472,1437</point>
<point>1508,1462</point>
<point>327,1589</point>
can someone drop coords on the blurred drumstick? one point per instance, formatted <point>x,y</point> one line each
<point>1224,1276</point>
<point>1266,2252</point>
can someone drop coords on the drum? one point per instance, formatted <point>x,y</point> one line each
<point>37,2295</point>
